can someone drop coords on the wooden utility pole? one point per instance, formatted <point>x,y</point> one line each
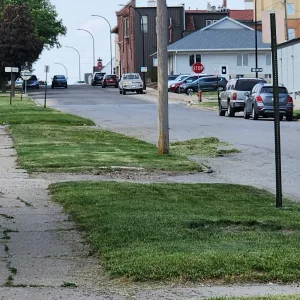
<point>162,73</point>
<point>286,20</point>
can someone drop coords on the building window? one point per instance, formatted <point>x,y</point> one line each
<point>290,9</point>
<point>144,23</point>
<point>126,27</point>
<point>208,22</point>
<point>242,60</point>
<point>268,59</point>
<point>291,33</point>
<point>192,59</point>
<point>198,58</point>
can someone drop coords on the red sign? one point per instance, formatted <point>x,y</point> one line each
<point>198,67</point>
<point>99,64</point>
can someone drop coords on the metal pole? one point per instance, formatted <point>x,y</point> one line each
<point>94,60</point>
<point>162,70</point>
<point>276,112</point>
<point>199,99</point>
<point>25,86</point>
<point>45,101</point>
<point>286,20</point>
<point>111,56</point>
<point>256,50</point>
<point>11,86</point>
<point>218,87</point>
<point>64,67</point>
<point>79,60</point>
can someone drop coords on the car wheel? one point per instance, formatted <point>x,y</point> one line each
<point>37,87</point>
<point>141,91</point>
<point>221,111</point>
<point>254,114</point>
<point>52,87</point>
<point>103,86</point>
<point>246,114</point>
<point>289,118</point>
<point>124,92</point>
<point>66,87</point>
<point>120,92</point>
<point>280,118</point>
<point>138,91</point>
<point>230,111</point>
<point>116,86</point>
<point>190,91</point>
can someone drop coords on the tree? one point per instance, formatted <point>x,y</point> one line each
<point>18,39</point>
<point>47,25</point>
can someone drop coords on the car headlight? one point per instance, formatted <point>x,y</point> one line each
<point>173,85</point>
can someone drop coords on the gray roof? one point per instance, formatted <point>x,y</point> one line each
<point>218,39</point>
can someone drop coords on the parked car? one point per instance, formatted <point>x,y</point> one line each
<point>131,82</point>
<point>179,78</point>
<point>233,98</point>
<point>97,78</point>
<point>172,77</point>
<point>206,83</point>
<point>260,103</point>
<point>31,83</point>
<point>110,80</point>
<point>18,83</point>
<point>59,81</point>
<point>175,87</point>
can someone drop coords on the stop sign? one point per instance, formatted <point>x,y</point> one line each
<point>198,67</point>
<point>99,64</point>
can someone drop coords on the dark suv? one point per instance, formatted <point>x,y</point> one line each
<point>97,78</point>
<point>110,80</point>
<point>32,83</point>
<point>208,83</point>
<point>59,81</point>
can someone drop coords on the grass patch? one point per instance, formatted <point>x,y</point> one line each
<point>199,232</point>
<point>208,146</point>
<point>210,105</point>
<point>269,297</point>
<point>51,141</point>
<point>27,112</point>
<point>297,114</point>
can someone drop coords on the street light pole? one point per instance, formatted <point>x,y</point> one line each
<point>64,67</point>
<point>111,56</point>
<point>93,46</point>
<point>79,60</point>
<point>256,50</point>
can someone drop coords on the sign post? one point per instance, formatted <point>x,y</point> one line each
<point>47,68</point>
<point>12,70</point>
<point>217,73</point>
<point>198,68</point>
<point>25,76</point>
<point>276,112</point>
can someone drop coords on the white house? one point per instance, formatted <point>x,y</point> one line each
<point>289,66</point>
<point>226,46</point>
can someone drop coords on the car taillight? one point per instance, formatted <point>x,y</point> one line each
<point>259,99</point>
<point>290,100</point>
<point>234,96</point>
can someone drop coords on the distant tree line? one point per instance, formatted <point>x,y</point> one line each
<point>26,28</point>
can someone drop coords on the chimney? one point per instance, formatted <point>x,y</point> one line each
<point>208,6</point>
<point>224,3</point>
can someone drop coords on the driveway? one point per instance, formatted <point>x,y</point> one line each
<point>136,115</point>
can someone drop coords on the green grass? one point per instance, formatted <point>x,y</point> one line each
<point>27,112</point>
<point>297,114</point>
<point>210,146</point>
<point>211,105</point>
<point>277,297</point>
<point>50,141</point>
<point>201,232</point>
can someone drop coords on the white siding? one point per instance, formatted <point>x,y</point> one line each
<point>214,60</point>
<point>289,68</point>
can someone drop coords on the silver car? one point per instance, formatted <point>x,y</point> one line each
<point>260,102</point>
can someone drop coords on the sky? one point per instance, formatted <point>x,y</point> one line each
<point>77,14</point>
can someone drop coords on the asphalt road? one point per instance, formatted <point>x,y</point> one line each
<point>136,115</point>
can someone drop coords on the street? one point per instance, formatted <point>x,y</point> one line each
<point>136,115</point>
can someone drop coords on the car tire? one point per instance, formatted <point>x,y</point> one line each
<point>52,87</point>
<point>246,114</point>
<point>221,111</point>
<point>230,111</point>
<point>289,117</point>
<point>138,91</point>
<point>141,91</point>
<point>124,92</point>
<point>120,92</point>
<point>254,114</point>
<point>37,87</point>
<point>116,86</point>
<point>66,87</point>
<point>189,91</point>
<point>103,86</point>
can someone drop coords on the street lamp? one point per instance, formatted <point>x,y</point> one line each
<point>111,56</point>
<point>64,67</point>
<point>143,41</point>
<point>93,46</point>
<point>79,59</point>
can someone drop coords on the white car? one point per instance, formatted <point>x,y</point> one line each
<point>131,82</point>
<point>179,78</point>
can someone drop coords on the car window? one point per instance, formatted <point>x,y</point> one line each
<point>172,77</point>
<point>131,77</point>
<point>33,77</point>
<point>246,85</point>
<point>59,77</point>
<point>269,90</point>
<point>183,77</point>
<point>110,77</point>
<point>211,79</point>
